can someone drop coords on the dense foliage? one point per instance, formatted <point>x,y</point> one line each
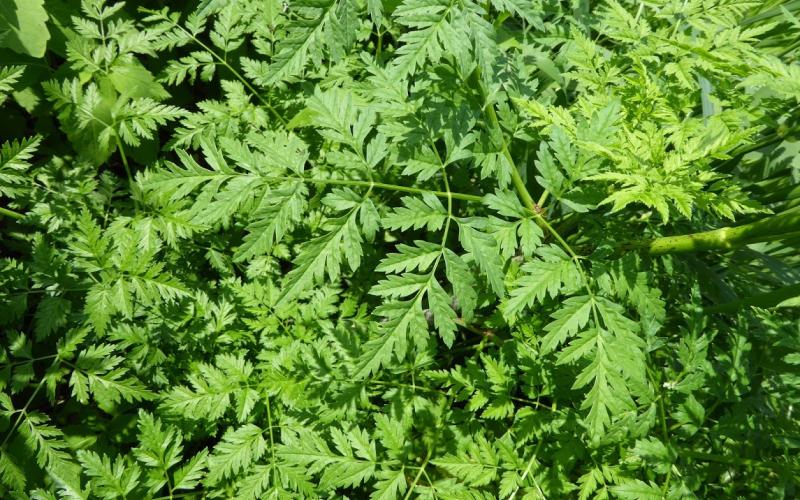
<point>440,249</point>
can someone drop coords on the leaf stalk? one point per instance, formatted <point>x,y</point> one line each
<point>6,212</point>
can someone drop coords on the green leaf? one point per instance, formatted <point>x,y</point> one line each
<point>188,476</point>
<point>390,484</point>
<point>483,249</point>
<point>477,464</point>
<point>323,256</point>
<point>638,490</point>
<point>350,465</point>
<point>443,315</point>
<point>109,480</point>
<point>401,286</point>
<point>133,80</point>
<point>400,319</point>
<point>655,453</point>
<point>433,37</point>
<point>9,76</point>
<point>237,451</point>
<point>159,449</point>
<point>568,320</point>
<point>11,473</point>
<point>550,177</point>
<point>25,24</point>
<point>506,204</point>
<point>15,159</point>
<point>51,314</point>
<point>409,258</point>
<point>213,389</point>
<point>460,277</point>
<point>277,214</point>
<point>293,53</point>
<point>46,441</point>
<point>427,212</point>
<point>540,278</point>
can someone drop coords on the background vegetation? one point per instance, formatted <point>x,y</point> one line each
<point>399,249</point>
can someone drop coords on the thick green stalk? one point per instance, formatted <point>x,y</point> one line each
<point>776,227</point>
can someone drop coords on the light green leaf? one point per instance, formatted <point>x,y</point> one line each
<point>540,278</point>
<point>443,315</point>
<point>237,451</point>
<point>26,24</point>
<point>567,321</point>
<point>483,249</point>
<point>463,283</point>
<point>637,490</point>
<point>409,258</point>
<point>427,212</point>
<point>323,256</point>
<point>133,80</point>
<point>401,318</point>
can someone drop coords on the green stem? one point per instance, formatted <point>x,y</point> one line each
<point>527,471</point>
<point>366,184</point>
<point>789,48</point>
<point>124,160</point>
<point>543,198</point>
<point>389,187</point>
<point>767,140</point>
<point>522,190</point>
<point>271,441</point>
<point>24,409</point>
<point>662,413</point>
<point>776,227</point>
<point>419,474</point>
<point>10,213</point>
<point>516,178</point>
<point>131,182</point>
<point>243,80</point>
<point>773,12</point>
